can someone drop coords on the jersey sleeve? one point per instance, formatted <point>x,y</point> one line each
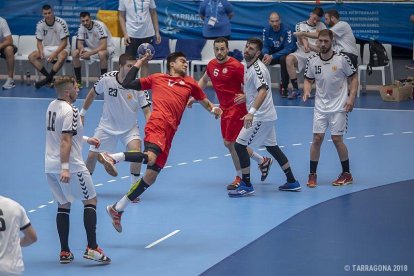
<point>121,6</point>
<point>152,4</point>
<point>99,85</point>
<point>309,73</point>
<point>228,7</point>
<point>5,28</point>
<point>266,42</point>
<point>240,73</point>
<point>146,83</point>
<point>70,121</point>
<point>144,99</point>
<point>102,31</point>
<point>338,29</point>
<point>349,68</point>
<point>39,31</point>
<point>258,78</point>
<point>24,219</point>
<point>81,33</point>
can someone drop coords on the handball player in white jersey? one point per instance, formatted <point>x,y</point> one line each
<point>119,115</point>
<point>66,172</point>
<point>331,72</point>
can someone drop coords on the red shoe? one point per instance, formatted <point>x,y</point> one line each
<point>344,178</point>
<point>234,184</point>
<point>116,217</point>
<point>312,180</point>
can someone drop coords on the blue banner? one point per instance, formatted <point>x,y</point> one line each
<point>387,22</point>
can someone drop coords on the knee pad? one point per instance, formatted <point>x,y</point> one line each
<point>243,155</point>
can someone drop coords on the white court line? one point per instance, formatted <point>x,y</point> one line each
<point>126,176</point>
<point>407,132</point>
<point>180,164</point>
<point>112,180</point>
<point>213,157</point>
<point>42,206</point>
<point>166,167</point>
<point>329,140</point>
<point>99,184</point>
<point>228,154</point>
<point>350,138</point>
<point>368,136</point>
<point>262,149</point>
<point>388,134</point>
<point>50,202</point>
<point>281,146</point>
<point>298,144</point>
<point>31,211</point>
<point>162,239</point>
<point>197,160</point>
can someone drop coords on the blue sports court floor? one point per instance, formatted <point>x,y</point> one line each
<point>324,231</point>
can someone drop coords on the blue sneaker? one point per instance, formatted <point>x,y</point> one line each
<point>291,187</point>
<point>242,190</point>
<point>294,94</point>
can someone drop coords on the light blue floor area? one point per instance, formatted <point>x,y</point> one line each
<point>190,195</point>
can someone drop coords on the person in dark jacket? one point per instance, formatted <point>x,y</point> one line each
<point>278,42</point>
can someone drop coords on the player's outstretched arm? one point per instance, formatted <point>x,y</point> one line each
<point>209,106</point>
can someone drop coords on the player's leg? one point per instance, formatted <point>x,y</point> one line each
<point>61,58</point>
<point>77,66</point>
<point>62,216</point>
<point>338,126</point>
<point>108,143</point>
<point>8,53</point>
<point>320,124</point>
<point>268,130</point>
<point>284,76</point>
<point>291,65</point>
<point>103,61</point>
<point>35,59</point>
<point>264,163</point>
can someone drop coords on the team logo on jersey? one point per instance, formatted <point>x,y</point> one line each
<point>334,68</point>
<point>181,82</point>
<point>225,70</point>
<point>171,83</point>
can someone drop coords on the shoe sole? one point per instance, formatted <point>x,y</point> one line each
<point>231,188</point>
<point>268,170</point>
<point>96,260</point>
<point>109,167</point>
<point>342,184</point>
<point>291,190</point>
<point>243,195</point>
<point>108,210</point>
<point>66,261</point>
<point>311,185</point>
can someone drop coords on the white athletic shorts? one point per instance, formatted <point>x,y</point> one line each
<point>95,57</point>
<point>302,58</point>
<point>48,50</point>
<point>80,186</point>
<point>109,141</point>
<point>259,134</point>
<point>337,122</point>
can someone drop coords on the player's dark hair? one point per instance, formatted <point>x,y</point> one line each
<point>124,58</point>
<point>326,32</point>
<point>46,7</point>
<point>221,40</point>
<point>84,14</point>
<point>257,41</point>
<point>318,11</point>
<point>173,57</point>
<point>333,13</point>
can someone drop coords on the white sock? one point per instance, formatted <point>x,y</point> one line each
<point>118,157</point>
<point>135,178</point>
<point>239,173</point>
<point>257,157</point>
<point>122,204</point>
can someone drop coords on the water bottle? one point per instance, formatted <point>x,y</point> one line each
<point>375,59</point>
<point>27,78</point>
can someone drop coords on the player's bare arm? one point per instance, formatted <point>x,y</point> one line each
<point>349,105</point>
<point>258,101</point>
<point>307,87</point>
<point>88,102</point>
<point>209,106</point>
<point>122,23</point>
<point>65,146</point>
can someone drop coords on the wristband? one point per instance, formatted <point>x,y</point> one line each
<point>82,112</point>
<point>65,166</point>
<point>85,139</point>
<point>252,110</point>
<point>213,109</point>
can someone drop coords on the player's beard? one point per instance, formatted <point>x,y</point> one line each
<point>324,50</point>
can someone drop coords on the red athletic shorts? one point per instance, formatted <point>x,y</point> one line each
<point>161,133</point>
<point>231,122</point>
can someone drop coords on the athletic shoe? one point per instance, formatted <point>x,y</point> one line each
<point>312,180</point>
<point>284,93</point>
<point>291,187</point>
<point>294,94</point>
<point>242,190</point>
<point>343,179</point>
<point>9,84</point>
<point>96,254</point>
<point>41,83</point>
<point>265,167</point>
<point>116,217</point>
<point>108,162</point>
<point>234,184</point>
<point>66,257</point>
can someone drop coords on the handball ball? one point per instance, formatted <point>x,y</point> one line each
<point>144,48</point>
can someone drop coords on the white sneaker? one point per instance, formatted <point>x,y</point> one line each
<point>9,84</point>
